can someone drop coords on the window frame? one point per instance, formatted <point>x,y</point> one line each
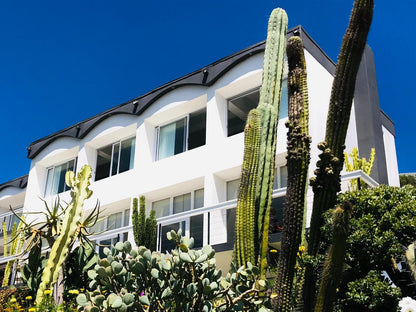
<point>187,119</point>
<point>119,142</point>
<point>66,188</point>
<point>250,91</point>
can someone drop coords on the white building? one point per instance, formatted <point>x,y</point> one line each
<point>181,146</point>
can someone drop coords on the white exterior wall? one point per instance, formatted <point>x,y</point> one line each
<point>209,166</point>
<point>391,158</point>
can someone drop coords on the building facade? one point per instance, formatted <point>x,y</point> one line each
<point>181,146</point>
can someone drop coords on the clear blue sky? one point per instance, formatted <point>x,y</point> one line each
<point>65,61</point>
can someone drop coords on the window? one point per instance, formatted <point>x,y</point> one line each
<point>9,218</point>
<point>113,221</point>
<point>115,158</point>
<point>55,180</point>
<point>280,177</point>
<point>181,135</point>
<point>191,226</point>
<point>239,107</point>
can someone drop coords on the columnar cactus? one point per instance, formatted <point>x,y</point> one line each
<point>79,193</point>
<point>144,229</point>
<point>334,262</point>
<point>16,244</point>
<point>268,112</point>
<point>269,105</point>
<point>326,184</point>
<point>298,148</point>
<point>246,242</point>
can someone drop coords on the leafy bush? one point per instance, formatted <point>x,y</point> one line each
<point>381,228</point>
<point>182,280</point>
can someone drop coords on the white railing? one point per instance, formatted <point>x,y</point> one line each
<point>205,211</point>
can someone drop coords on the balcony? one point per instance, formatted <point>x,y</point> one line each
<point>213,225</point>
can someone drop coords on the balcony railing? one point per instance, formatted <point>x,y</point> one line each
<point>212,225</point>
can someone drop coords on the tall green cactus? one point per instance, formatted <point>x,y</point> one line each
<point>79,193</point>
<point>144,229</point>
<point>268,112</point>
<point>334,262</point>
<point>298,148</point>
<point>269,105</point>
<point>326,184</point>
<point>246,242</point>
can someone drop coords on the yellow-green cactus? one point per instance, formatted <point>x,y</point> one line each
<point>358,164</point>
<point>79,193</point>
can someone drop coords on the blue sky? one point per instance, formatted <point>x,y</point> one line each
<point>62,62</point>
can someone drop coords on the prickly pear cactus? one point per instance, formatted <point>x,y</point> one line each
<point>298,141</point>
<point>79,193</point>
<point>184,280</point>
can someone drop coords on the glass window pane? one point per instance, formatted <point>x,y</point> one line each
<point>127,155</point>
<point>199,198</point>
<point>114,166</point>
<point>103,162</point>
<point>180,136</point>
<point>284,100</point>
<point>126,217</point>
<point>197,129</point>
<point>196,230</point>
<point>115,221</point>
<point>238,109</point>
<point>70,167</point>
<point>166,145</point>
<point>232,189</point>
<point>276,214</point>
<point>167,245</point>
<point>283,176</point>
<point>49,182</point>
<point>161,207</point>
<point>182,203</point>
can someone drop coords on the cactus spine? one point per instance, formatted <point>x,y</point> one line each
<point>79,193</point>
<point>269,105</point>
<point>144,229</point>
<point>298,147</point>
<point>268,112</point>
<point>326,184</point>
<point>334,262</point>
<point>246,242</point>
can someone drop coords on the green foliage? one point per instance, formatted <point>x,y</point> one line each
<point>72,218</point>
<point>359,164</point>
<point>77,264</point>
<point>407,179</point>
<point>183,280</point>
<point>144,229</point>
<point>334,262</point>
<point>371,293</point>
<point>31,272</point>
<point>381,229</point>
<point>298,147</point>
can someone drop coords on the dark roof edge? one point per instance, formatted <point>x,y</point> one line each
<point>205,76</point>
<point>387,122</point>
<point>18,182</point>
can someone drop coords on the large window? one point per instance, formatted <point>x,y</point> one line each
<point>181,135</point>
<point>9,219</point>
<point>239,107</point>
<point>192,226</point>
<point>115,158</point>
<point>55,181</point>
